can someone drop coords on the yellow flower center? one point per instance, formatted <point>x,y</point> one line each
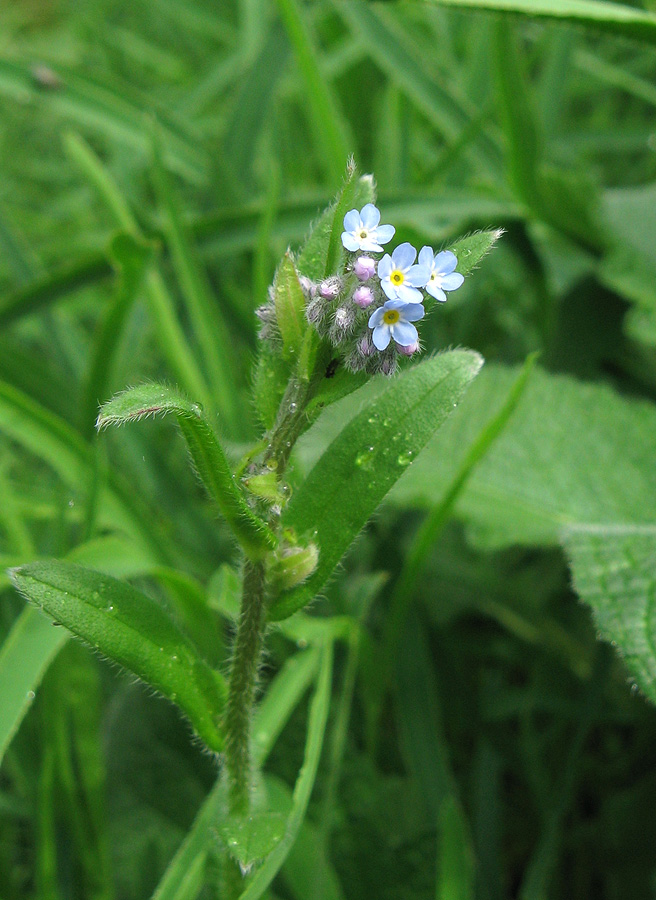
<point>391,316</point>
<point>397,277</point>
<point>363,234</point>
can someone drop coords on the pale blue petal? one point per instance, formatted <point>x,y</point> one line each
<point>417,276</point>
<point>395,303</point>
<point>352,220</point>
<point>381,337</point>
<point>408,294</point>
<point>370,216</point>
<point>453,281</point>
<point>403,333</point>
<point>426,257</point>
<point>385,233</point>
<point>349,241</point>
<point>369,245</point>
<point>435,291</point>
<point>404,256</point>
<point>413,312</point>
<point>445,262</point>
<point>389,289</point>
<point>385,267</point>
<point>376,317</point>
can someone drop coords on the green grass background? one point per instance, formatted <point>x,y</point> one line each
<point>156,160</point>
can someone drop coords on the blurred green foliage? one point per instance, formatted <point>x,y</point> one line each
<point>157,160</point>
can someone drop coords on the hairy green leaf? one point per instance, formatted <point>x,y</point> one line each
<point>290,306</point>
<point>367,458</point>
<point>206,452</point>
<point>132,630</point>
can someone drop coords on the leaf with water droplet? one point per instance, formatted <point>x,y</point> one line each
<point>253,838</point>
<point>138,634</point>
<point>361,465</point>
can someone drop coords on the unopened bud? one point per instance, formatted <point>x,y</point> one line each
<point>388,365</point>
<point>407,350</point>
<point>364,267</point>
<point>291,566</point>
<point>330,288</point>
<point>365,345</point>
<point>363,296</point>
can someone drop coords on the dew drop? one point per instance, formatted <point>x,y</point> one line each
<point>364,458</point>
<point>30,696</point>
<point>110,608</point>
<point>405,458</point>
<point>293,407</point>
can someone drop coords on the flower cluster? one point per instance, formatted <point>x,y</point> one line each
<point>368,312</point>
<point>390,289</point>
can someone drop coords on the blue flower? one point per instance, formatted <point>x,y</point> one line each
<point>442,275</point>
<point>399,278</point>
<point>362,231</point>
<point>394,321</point>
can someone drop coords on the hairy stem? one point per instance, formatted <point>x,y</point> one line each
<point>243,679</point>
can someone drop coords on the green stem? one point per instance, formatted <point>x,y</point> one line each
<point>243,679</point>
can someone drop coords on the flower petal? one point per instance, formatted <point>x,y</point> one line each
<point>404,256</point>
<point>381,337</point>
<point>369,245</point>
<point>389,289</point>
<point>408,294</point>
<point>385,233</point>
<point>452,282</point>
<point>445,262</point>
<point>385,267</point>
<point>435,291</point>
<point>426,257</point>
<point>395,303</point>
<point>413,312</point>
<point>404,333</point>
<point>352,220</point>
<point>370,216</point>
<point>417,276</point>
<point>376,317</point>
<point>350,242</point>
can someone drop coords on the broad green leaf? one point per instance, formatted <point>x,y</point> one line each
<point>25,655</point>
<point>613,569</point>
<point>132,630</point>
<point>572,454</point>
<point>361,465</point>
<point>206,452</point>
<point>290,307</point>
<point>614,17</point>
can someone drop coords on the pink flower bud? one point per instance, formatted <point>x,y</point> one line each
<point>365,346</point>
<point>364,267</point>
<point>408,350</point>
<point>363,296</point>
<point>330,288</point>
